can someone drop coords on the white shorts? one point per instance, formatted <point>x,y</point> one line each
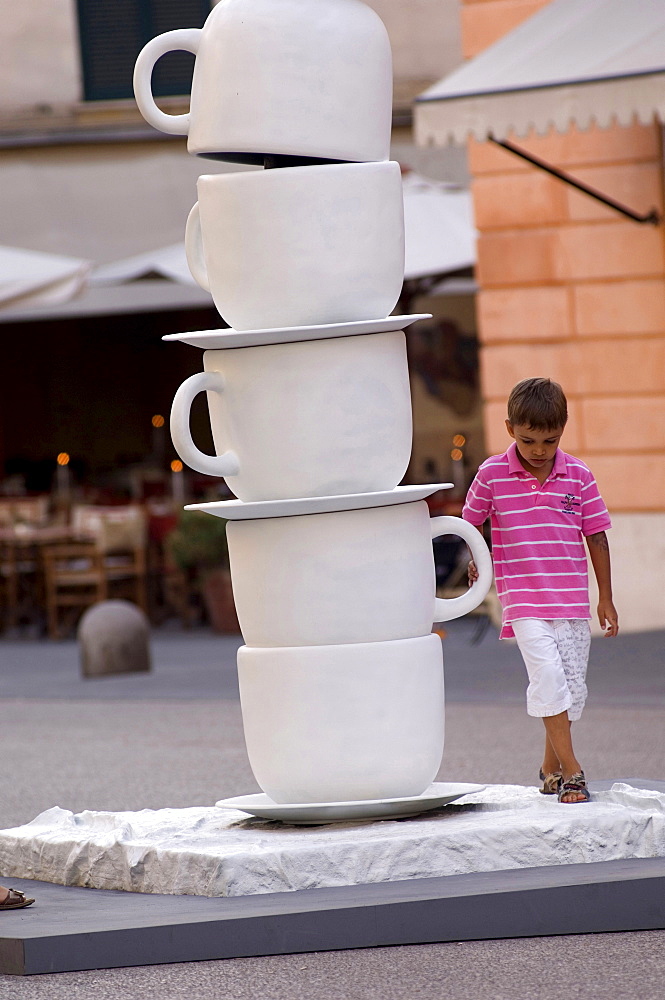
<point>556,654</point>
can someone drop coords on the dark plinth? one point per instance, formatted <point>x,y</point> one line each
<point>72,929</point>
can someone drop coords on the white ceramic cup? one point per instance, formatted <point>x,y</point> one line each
<point>299,246</point>
<point>351,576</point>
<point>344,723</point>
<point>308,419</point>
<point>306,78</point>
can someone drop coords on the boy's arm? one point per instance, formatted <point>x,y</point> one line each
<point>599,552</point>
<point>478,503</point>
<point>472,571</point>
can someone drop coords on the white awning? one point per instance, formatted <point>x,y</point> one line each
<point>573,62</point>
<point>439,233</point>
<point>167,262</point>
<point>29,278</point>
<point>109,300</point>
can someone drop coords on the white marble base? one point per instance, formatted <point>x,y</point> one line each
<point>210,852</point>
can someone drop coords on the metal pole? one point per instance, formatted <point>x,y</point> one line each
<point>651,217</point>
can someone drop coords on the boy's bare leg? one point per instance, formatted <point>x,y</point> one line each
<point>551,762</point>
<point>557,728</point>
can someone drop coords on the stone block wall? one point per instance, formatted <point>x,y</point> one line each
<point>486,21</point>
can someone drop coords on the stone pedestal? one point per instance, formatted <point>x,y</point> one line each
<point>208,851</point>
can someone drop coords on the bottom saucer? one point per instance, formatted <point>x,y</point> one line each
<point>316,813</point>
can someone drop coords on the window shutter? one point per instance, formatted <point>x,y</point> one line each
<point>113,32</point>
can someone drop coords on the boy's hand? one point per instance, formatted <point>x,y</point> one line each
<point>472,572</point>
<point>608,618</point>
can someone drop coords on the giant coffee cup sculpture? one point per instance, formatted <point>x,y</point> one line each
<point>280,79</point>
<point>341,678</point>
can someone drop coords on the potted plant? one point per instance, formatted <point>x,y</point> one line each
<point>198,547</point>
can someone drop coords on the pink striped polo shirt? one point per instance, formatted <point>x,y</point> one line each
<point>538,549</point>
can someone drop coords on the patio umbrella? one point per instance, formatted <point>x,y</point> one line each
<point>31,278</point>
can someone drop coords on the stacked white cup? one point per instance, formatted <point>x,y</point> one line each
<point>341,678</point>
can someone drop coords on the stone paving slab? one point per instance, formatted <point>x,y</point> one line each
<point>200,664</point>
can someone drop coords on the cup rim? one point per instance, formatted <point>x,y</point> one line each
<point>248,176</point>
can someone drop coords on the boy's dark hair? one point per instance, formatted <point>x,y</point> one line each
<point>538,403</point>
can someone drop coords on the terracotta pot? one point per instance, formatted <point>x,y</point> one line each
<point>218,598</point>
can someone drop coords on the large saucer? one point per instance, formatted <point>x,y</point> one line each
<point>214,340</point>
<point>315,813</point>
<point>239,510</point>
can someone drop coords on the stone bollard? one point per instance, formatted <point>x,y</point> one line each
<point>114,639</point>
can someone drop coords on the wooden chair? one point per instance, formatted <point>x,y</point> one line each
<point>6,513</point>
<point>120,534</point>
<point>8,584</point>
<point>19,581</point>
<point>23,510</point>
<point>31,510</point>
<point>18,559</point>
<point>74,579</point>
<point>121,540</point>
<point>108,561</point>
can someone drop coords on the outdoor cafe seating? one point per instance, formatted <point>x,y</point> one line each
<point>20,517</point>
<point>105,558</point>
<point>54,565</point>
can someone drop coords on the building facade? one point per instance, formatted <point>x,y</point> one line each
<point>82,174</point>
<point>571,290</point>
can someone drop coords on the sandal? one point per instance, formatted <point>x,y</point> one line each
<point>551,782</point>
<point>576,783</point>
<point>15,900</point>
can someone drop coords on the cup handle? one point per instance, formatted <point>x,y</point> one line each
<point>194,248</point>
<point>211,465</point>
<point>182,38</point>
<point>454,607</point>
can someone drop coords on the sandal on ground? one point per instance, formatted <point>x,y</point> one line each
<point>551,782</point>
<point>576,783</point>
<point>15,900</point>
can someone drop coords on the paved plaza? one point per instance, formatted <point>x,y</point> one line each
<point>174,738</point>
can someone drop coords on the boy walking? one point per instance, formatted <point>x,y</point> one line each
<point>542,504</point>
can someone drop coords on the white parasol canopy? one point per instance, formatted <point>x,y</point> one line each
<point>440,236</point>
<point>30,278</point>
